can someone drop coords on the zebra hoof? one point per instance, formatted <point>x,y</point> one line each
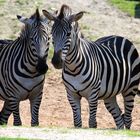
<point>17,124</point>
<point>77,127</point>
<point>93,126</point>
<point>35,124</point>
<point>127,122</point>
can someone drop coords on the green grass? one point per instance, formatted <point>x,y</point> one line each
<point>4,138</point>
<point>2,2</point>
<point>70,131</point>
<point>110,132</point>
<point>130,133</point>
<point>92,37</point>
<point>127,6</point>
<point>21,2</point>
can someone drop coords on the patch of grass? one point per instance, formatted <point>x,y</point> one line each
<point>64,130</point>
<point>61,130</point>
<point>21,2</point>
<point>84,27</point>
<point>1,2</point>
<point>130,133</point>
<point>1,14</point>
<point>92,37</point>
<point>12,36</point>
<point>3,126</point>
<point>111,132</point>
<point>127,6</point>
<point>4,138</point>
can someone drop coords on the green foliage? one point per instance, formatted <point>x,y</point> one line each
<point>126,6</point>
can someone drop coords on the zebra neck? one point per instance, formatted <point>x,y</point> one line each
<point>28,60</point>
<point>74,58</point>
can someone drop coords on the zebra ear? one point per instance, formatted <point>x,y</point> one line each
<point>37,14</point>
<point>48,15</point>
<point>76,17</point>
<point>24,20</point>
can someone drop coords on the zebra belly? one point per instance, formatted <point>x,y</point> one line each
<point>75,85</point>
<point>103,94</point>
<point>22,94</point>
<point>34,93</point>
<point>2,95</point>
<point>109,89</point>
<point>31,89</point>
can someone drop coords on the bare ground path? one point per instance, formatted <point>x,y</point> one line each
<point>102,20</point>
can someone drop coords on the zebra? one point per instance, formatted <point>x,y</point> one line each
<point>95,70</point>
<point>5,41</point>
<point>23,67</point>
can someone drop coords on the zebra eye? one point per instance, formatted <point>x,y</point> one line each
<point>68,34</point>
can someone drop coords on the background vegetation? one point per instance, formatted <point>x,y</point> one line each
<point>132,7</point>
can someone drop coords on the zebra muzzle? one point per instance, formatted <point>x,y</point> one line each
<point>42,67</point>
<point>57,61</point>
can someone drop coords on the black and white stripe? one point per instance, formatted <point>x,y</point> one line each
<point>23,67</point>
<point>95,70</point>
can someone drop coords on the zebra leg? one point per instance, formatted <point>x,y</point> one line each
<point>114,109</point>
<point>93,102</point>
<point>128,105</point>
<point>5,113</point>
<point>74,100</point>
<point>35,104</point>
<point>16,115</point>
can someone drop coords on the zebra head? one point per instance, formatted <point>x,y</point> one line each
<point>62,33</point>
<point>36,34</point>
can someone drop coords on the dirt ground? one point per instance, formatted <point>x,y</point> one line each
<point>55,109</point>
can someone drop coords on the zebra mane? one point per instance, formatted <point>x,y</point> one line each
<point>77,29</point>
<point>36,15</point>
<point>36,18</point>
<point>65,11</point>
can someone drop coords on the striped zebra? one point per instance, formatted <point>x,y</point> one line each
<point>5,41</point>
<point>95,70</point>
<point>23,67</point>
